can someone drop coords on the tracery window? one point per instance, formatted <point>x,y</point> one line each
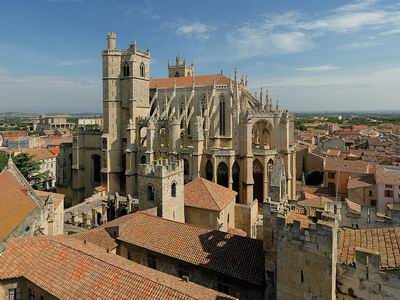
<point>222,116</point>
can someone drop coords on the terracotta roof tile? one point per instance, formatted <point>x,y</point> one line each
<point>202,193</point>
<point>384,240</point>
<point>232,255</point>
<point>203,80</point>
<point>361,182</point>
<point>387,175</point>
<point>350,166</point>
<point>57,197</point>
<point>15,203</point>
<point>84,271</point>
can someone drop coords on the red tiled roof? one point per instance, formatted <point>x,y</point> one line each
<point>361,182</point>
<point>384,240</point>
<point>347,132</point>
<point>203,80</point>
<point>232,255</point>
<point>55,150</point>
<point>36,153</point>
<point>202,193</point>
<point>315,202</point>
<point>387,175</point>
<point>57,197</point>
<point>69,269</point>
<point>304,220</point>
<point>15,203</point>
<point>350,166</point>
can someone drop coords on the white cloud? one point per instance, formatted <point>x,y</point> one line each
<point>69,63</point>
<point>321,68</point>
<point>351,90</point>
<point>197,29</point>
<point>347,22</point>
<point>391,32</point>
<point>359,5</point>
<point>250,41</point>
<point>292,32</point>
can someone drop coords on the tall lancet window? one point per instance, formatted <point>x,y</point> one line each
<point>142,70</point>
<point>222,115</point>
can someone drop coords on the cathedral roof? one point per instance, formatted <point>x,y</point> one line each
<point>70,269</point>
<point>202,193</point>
<point>181,82</point>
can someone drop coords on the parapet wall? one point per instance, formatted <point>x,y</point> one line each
<point>161,168</point>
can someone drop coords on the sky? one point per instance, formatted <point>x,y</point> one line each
<point>311,55</point>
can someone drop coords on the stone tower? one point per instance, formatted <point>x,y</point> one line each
<point>125,97</point>
<point>161,186</point>
<point>180,69</point>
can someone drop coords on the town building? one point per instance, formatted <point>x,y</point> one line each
<point>53,122</point>
<point>66,268</point>
<point>24,211</point>
<point>224,262</point>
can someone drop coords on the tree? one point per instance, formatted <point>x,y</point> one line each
<point>3,160</point>
<point>30,168</point>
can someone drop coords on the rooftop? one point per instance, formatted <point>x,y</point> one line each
<point>181,82</point>
<point>235,256</point>
<point>202,193</point>
<point>384,240</point>
<point>85,271</point>
<point>17,201</point>
<point>387,175</point>
<point>350,166</point>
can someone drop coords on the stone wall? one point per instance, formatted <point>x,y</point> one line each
<point>364,279</point>
<point>306,260</point>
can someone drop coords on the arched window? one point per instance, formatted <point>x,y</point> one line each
<point>203,105</point>
<point>150,193</point>
<point>222,117</point>
<point>209,170</point>
<point>173,189</point>
<point>176,74</point>
<point>186,169</point>
<point>142,70</point>
<point>222,174</point>
<point>125,69</point>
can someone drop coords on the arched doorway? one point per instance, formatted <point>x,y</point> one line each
<point>209,170</point>
<point>222,174</point>
<point>258,176</point>
<point>236,180</point>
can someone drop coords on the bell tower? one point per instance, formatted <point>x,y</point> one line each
<point>180,69</point>
<point>126,76</point>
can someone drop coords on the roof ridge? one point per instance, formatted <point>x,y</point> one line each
<point>204,181</point>
<point>194,225</point>
<point>109,263</point>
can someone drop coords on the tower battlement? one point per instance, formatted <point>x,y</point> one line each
<point>161,168</point>
<point>313,232</point>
